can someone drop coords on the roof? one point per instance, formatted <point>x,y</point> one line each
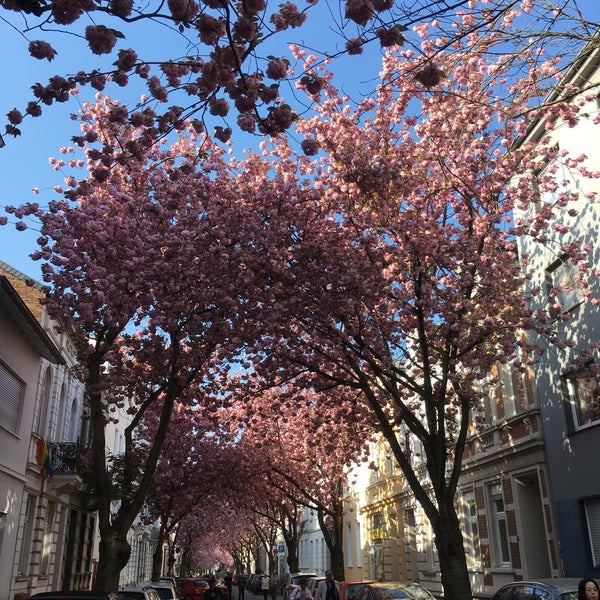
<point>14,309</point>
<point>578,74</point>
<point>30,290</point>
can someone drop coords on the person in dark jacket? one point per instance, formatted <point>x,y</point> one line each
<point>228,581</point>
<point>241,581</point>
<point>213,592</point>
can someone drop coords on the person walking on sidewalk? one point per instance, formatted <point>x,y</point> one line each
<point>301,592</point>
<point>328,589</point>
<point>273,585</point>
<point>265,585</point>
<point>241,586</point>
<point>213,592</point>
<point>228,581</point>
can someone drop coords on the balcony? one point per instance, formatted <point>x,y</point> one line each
<point>64,457</point>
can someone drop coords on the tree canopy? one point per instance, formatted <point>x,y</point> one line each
<point>371,272</point>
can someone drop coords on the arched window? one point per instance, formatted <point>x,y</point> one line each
<point>73,422</point>
<point>61,426</point>
<point>43,425</point>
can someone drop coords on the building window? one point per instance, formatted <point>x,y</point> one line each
<point>12,392</point>
<point>2,527</point>
<point>471,529</point>
<point>553,181</point>
<point>377,526</point>
<point>499,528</point>
<point>592,516</point>
<point>48,538</point>
<point>562,282</point>
<point>584,396</point>
<point>350,545</point>
<point>359,545</point>
<point>389,464</point>
<point>43,428</point>
<point>27,539</point>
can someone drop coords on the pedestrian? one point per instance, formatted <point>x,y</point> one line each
<point>273,585</point>
<point>588,590</point>
<point>213,592</point>
<point>265,585</point>
<point>241,586</point>
<point>328,589</point>
<point>228,581</point>
<point>285,586</point>
<point>301,592</point>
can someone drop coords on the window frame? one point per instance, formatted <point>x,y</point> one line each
<point>11,411</point>
<point>28,524</point>
<point>574,397</point>
<point>591,508</point>
<point>499,528</point>
<point>568,299</point>
<point>470,526</point>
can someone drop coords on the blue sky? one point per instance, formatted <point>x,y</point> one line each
<point>24,161</point>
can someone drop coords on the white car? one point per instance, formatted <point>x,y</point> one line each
<point>135,592</point>
<point>388,590</point>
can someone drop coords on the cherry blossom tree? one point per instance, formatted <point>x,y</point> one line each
<point>202,475</point>
<point>220,53</point>
<point>307,452</point>
<point>377,269</point>
<point>145,264</point>
<point>397,278</point>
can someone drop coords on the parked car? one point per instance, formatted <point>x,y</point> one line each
<point>296,577</point>
<point>171,580</point>
<point>135,592</point>
<point>220,584</point>
<point>389,590</point>
<point>541,589</point>
<point>295,581</point>
<point>349,588</point>
<point>191,588</point>
<point>70,595</point>
<point>164,589</point>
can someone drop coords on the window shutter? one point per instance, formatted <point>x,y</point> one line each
<point>592,512</point>
<point>11,398</point>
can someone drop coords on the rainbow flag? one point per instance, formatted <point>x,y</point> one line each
<point>43,458</point>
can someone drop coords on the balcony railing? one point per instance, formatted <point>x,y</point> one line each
<point>63,456</point>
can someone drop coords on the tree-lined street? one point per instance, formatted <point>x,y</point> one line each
<point>262,315</point>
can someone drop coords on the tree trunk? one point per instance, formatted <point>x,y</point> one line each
<point>337,563</point>
<point>451,554</point>
<point>157,557</point>
<point>331,521</point>
<point>292,561</point>
<point>113,557</point>
<point>157,561</point>
<point>185,569</point>
<point>171,562</point>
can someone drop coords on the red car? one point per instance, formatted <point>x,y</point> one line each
<point>191,588</point>
<point>220,584</point>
